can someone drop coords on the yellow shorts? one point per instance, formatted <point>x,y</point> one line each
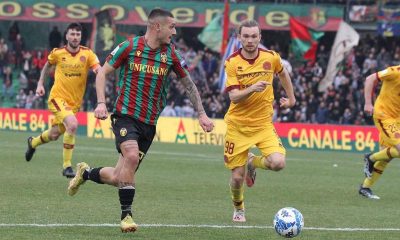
<point>61,110</point>
<point>389,131</point>
<point>238,141</point>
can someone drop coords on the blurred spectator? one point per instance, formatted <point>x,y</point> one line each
<point>30,100</point>
<point>18,48</point>
<point>39,60</point>
<point>8,90</point>
<point>169,110</point>
<point>55,38</point>
<point>187,109</point>
<point>321,116</point>
<point>23,80</point>
<point>20,99</point>
<point>347,117</point>
<point>13,31</point>
<point>3,53</point>
<point>27,62</point>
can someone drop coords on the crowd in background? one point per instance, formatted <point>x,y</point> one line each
<point>341,103</point>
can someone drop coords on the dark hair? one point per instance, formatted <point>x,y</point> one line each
<point>158,12</point>
<point>248,23</point>
<point>75,26</point>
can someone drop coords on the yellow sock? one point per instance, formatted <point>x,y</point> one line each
<point>385,154</point>
<point>69,143</point>
<point>237,197</point>
<point>41,139</point>
<point>259,162</point>
<point>378,170</point>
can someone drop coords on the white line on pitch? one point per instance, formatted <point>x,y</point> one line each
<point>189,226</point>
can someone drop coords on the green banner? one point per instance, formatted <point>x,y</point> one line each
<point>187,14</point>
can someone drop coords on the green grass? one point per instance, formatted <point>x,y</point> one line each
<point>182,187</point>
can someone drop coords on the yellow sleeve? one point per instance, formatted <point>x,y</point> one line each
<point>93,60</point>
<point>231,78</point>
<point>53,57</point>
<point>388,74</point>
<point>278,66</point>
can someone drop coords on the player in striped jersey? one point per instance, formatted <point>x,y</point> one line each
<point>386,114</point>
<point>144,62</point>
<point>72,63</point>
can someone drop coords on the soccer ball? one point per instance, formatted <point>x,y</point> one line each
<point>288,222</point>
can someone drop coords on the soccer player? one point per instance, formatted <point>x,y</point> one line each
<point>72,64</point>
<point>144,62</point>
<point>386,115</point>
<point>250,71</point>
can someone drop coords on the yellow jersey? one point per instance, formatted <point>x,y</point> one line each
<point>71,74</point>
<point>257,109</point>
<point>387,105</point>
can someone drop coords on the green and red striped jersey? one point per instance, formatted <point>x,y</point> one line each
<point>143,79</point>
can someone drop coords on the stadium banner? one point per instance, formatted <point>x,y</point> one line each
<point>187,13</point>
<point>389,20</point>
<point>169,129</point>
<point>188,131</point>
<point>329,137</point>
<point>363,13</point>
<point>36,121</point>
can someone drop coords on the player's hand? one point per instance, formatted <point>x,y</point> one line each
<point>101,111</point>
<point>369,109</point>
<point>286,102</point>
<point>206,124</point>
<point>259,86</point>
<point>40,90</point>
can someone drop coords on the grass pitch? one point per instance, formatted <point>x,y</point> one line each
<point>182,193</point>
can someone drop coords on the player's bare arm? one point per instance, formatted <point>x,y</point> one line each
<point>287,85</point>
<point>194,97</point>
<point>43,74</point>
<point>236,95</point>
<point>370,82</point>
<point>101,109</point>
<point>96,69</point>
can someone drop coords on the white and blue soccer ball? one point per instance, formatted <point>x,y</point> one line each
<point>288,222</point>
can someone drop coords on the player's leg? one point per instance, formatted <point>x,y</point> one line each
<point>389,135</point>
<point>237,190</point>
<point>273,154</point>
<point>235,156</point>
<point>375,163</point>
<point>51,134</point>
<point>71,126</point>
<point>133,152</point>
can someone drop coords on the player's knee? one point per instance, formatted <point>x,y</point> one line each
<point>53,136</point>
<point>277,164</point>
<point>132,159</point>
<point>72,127</point>
<point>237,180</point>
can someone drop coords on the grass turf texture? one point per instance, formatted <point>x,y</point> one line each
<point>184,189</point>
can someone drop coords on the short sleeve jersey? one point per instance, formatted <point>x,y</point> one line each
<point>143,80</point>
<point>71,74</point>
<point>241,73</point>
<point>387,104</point>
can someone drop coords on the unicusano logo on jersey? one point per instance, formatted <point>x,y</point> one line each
<point>148,69</point>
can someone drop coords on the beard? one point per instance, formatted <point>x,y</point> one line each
<point>250,50</point>
<point>73,45</point>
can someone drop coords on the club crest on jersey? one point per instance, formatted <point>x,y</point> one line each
<point>267,65</point>
<point>138,52</point>
<point>239,68</point>
<point>82,59</point>
<point>163,57</point>
<point>123,132</point>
